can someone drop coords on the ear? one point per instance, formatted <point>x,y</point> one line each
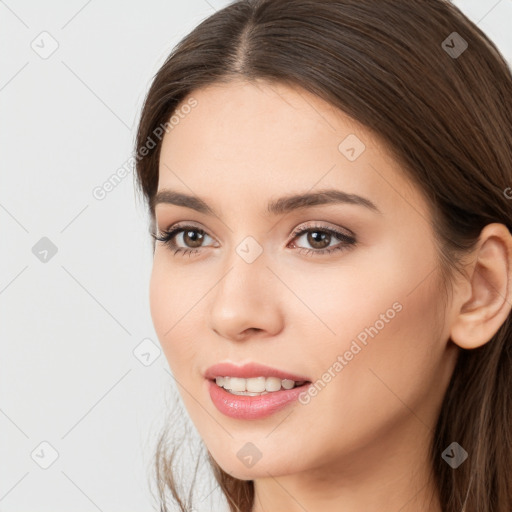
<point>487,295</point>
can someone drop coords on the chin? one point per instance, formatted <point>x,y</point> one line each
<point>262,468</point>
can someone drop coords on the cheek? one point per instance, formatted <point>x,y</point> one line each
<point>386,295</point>
<point>385,316</point>
<point>387,290</point>
<point>173,300</point>
<point>160,300</point>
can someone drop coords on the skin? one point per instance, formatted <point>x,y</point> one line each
<point>362,442</point>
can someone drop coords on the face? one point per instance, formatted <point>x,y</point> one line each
<point>340,292</point>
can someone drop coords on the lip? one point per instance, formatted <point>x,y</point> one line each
<point>252,407</point>
<point>249,370</point>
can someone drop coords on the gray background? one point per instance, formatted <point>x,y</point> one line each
<point>84,386</point>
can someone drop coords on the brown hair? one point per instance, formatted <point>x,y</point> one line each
<point>447,118</point>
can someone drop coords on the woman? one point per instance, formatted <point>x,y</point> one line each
<point>329,188</point>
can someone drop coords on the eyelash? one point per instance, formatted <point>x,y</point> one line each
<point>167,237</point>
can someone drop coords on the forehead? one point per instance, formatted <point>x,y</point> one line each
<point>258,139</point>
<point>276,115</point>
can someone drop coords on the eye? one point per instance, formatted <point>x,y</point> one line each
<point>191,236</point>
<point>318,236</point>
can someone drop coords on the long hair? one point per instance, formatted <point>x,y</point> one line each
<point>438,93</point>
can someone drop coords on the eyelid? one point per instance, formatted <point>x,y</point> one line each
<point>343,232</point>
<point>180,225</point>
<point>344,235</point>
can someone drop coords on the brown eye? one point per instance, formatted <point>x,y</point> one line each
<point>193,237</point>
<point>319,238</point>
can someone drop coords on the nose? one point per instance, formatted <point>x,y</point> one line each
<point>246,301</point>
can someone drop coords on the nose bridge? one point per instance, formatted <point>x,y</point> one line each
<point>244,298</point>
<point>246,276</point>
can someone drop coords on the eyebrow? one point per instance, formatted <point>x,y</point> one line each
<point>279,206</point>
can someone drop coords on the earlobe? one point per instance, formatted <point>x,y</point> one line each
<point>490,281</point>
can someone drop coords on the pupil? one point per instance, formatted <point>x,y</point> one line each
<point>195,240</point>
<point>318,237</point>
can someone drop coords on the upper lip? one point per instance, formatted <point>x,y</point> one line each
<point>249,370</point>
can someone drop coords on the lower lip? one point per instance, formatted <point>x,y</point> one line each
<point>252,407</point>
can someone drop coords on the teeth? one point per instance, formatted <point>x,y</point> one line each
<point>273,384</point>
<point>255,385</point>
<point>236,384</point>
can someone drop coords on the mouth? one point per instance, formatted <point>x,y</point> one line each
<point>252,391</point>
<point>256,386</point>
<point>253,405</point>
